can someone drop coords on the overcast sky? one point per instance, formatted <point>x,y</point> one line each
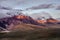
<point>52,6</point>
<point>23,4</point>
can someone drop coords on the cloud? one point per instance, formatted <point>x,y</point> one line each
<point>5,8</point>
<point>58,7</point>
<point>2,0</point>
<point>41,15</point>
<point>45,6</point>
<point>42,6</point>
<point>23,4</point>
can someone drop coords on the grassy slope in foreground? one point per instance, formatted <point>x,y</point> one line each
<point>28,31</point>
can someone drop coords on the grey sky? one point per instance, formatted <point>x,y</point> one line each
<point>24,4</point>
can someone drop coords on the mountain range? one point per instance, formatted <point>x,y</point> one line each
<point>23,19</point>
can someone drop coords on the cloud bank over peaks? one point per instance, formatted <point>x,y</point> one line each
<point>45,6</point>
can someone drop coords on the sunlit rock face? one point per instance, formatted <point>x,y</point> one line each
<point>26,19</point>
<point>41,21</point>
<point>51,20</point>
